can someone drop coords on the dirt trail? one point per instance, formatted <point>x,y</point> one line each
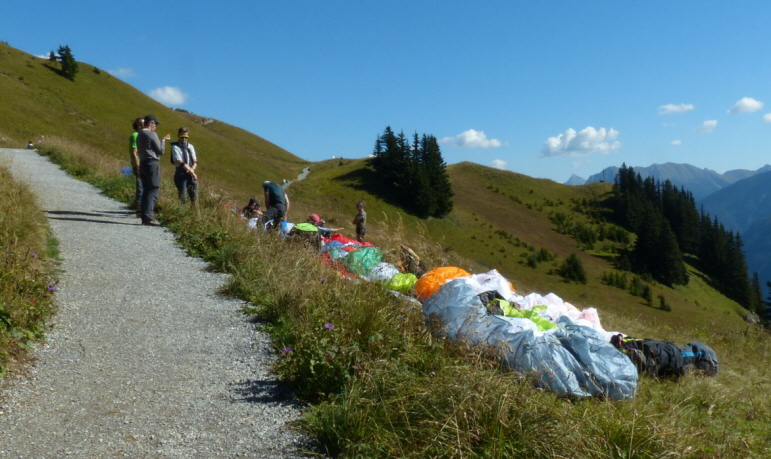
<point>145,359</point>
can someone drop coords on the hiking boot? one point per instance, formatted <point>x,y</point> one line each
<point>151,222</point>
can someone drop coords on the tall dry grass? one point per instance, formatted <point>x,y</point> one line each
<point>26,270</point>
<point>380,384</point>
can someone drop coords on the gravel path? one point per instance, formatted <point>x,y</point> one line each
<point>144,360</point>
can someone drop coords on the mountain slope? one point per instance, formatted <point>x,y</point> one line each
<point>97,110</point>
<point>575,180</point>
<point>741,204</point>
<point>745,207</point>
<point>501,219</point>
<point>701,182</point>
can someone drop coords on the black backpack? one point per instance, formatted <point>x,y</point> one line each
<point>658,359</point>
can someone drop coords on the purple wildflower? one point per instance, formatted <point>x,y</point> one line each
<point>51,288</point>
<point>34,255</point>
<point>323,279</point>
<point>286,350</point>
<point>329,326</point>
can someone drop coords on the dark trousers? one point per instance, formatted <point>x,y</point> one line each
<point>139,192</point>
<point>186,185</point>
<point>151,185</point>
<point>274,213</point>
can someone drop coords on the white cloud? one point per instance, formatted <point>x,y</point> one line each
<point>746,105</point>
<point>472,139</point>
<point>169,95</point>
<point>767,117</point>
<point>670,109</point>
<point>586,142</point>
<point>122,72</point>
<point>499,164</point>
<point>707,126</point>
<point>676,142</point>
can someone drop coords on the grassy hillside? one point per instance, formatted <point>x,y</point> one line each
<point>499,219</point>
<point>97,110</point>
<point>385,385</point>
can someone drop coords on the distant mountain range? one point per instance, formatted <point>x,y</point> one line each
<point>740,199</point>
<point>701,182</point>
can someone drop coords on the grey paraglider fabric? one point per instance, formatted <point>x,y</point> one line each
<point>572,360</point>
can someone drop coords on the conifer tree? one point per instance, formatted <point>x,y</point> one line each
<point>67,60</point>
<point>414,173</point>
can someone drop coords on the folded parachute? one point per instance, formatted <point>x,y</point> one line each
<point>570,360</point>
<point>430,282</point>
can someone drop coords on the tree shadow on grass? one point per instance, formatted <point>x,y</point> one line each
<point>56,70</point>
<point>367,180</point>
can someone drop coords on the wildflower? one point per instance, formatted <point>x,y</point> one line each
<point>286,350</point>
<point>51,288</point>
<point>323,279</point>
<point>34,255</point>
<point>329,326</point>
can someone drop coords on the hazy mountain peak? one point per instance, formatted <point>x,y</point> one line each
<point>575,180</point>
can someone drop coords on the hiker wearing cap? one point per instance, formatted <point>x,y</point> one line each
<point>150,148</point>
<point>183,156</point>
<point>276,202</point>
<point>138,124</point>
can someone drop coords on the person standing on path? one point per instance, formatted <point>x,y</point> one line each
<point>150,149</point>
<point>276,202</point>
<point>183,156</point>
<point>139,123</point>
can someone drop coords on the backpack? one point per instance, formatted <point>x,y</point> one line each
<point>657,359</point>
<point>699,356</point>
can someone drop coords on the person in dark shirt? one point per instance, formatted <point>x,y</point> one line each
<point>276,202</point>
<point>149,149</point>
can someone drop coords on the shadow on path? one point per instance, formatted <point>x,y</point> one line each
<point>77,217</point>
<point>261,391</point>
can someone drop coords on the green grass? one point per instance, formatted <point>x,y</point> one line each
<point>97,110</point>
<point>379,383</point>
<point>27,276</point>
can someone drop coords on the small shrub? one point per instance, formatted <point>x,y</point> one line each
<point>663,305</point>
<point>573,270</point>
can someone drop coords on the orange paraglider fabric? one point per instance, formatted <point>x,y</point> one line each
<point>432,280</point>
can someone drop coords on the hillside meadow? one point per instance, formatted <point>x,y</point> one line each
<point>377,382</point>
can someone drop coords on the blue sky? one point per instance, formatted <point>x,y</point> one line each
<point>546,88</point>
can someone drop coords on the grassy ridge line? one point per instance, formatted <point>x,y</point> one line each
<point>98,110</point>
<point>27,277</point>
<point>382,386</point>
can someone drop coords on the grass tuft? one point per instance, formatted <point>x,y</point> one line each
<point>27,269</point>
